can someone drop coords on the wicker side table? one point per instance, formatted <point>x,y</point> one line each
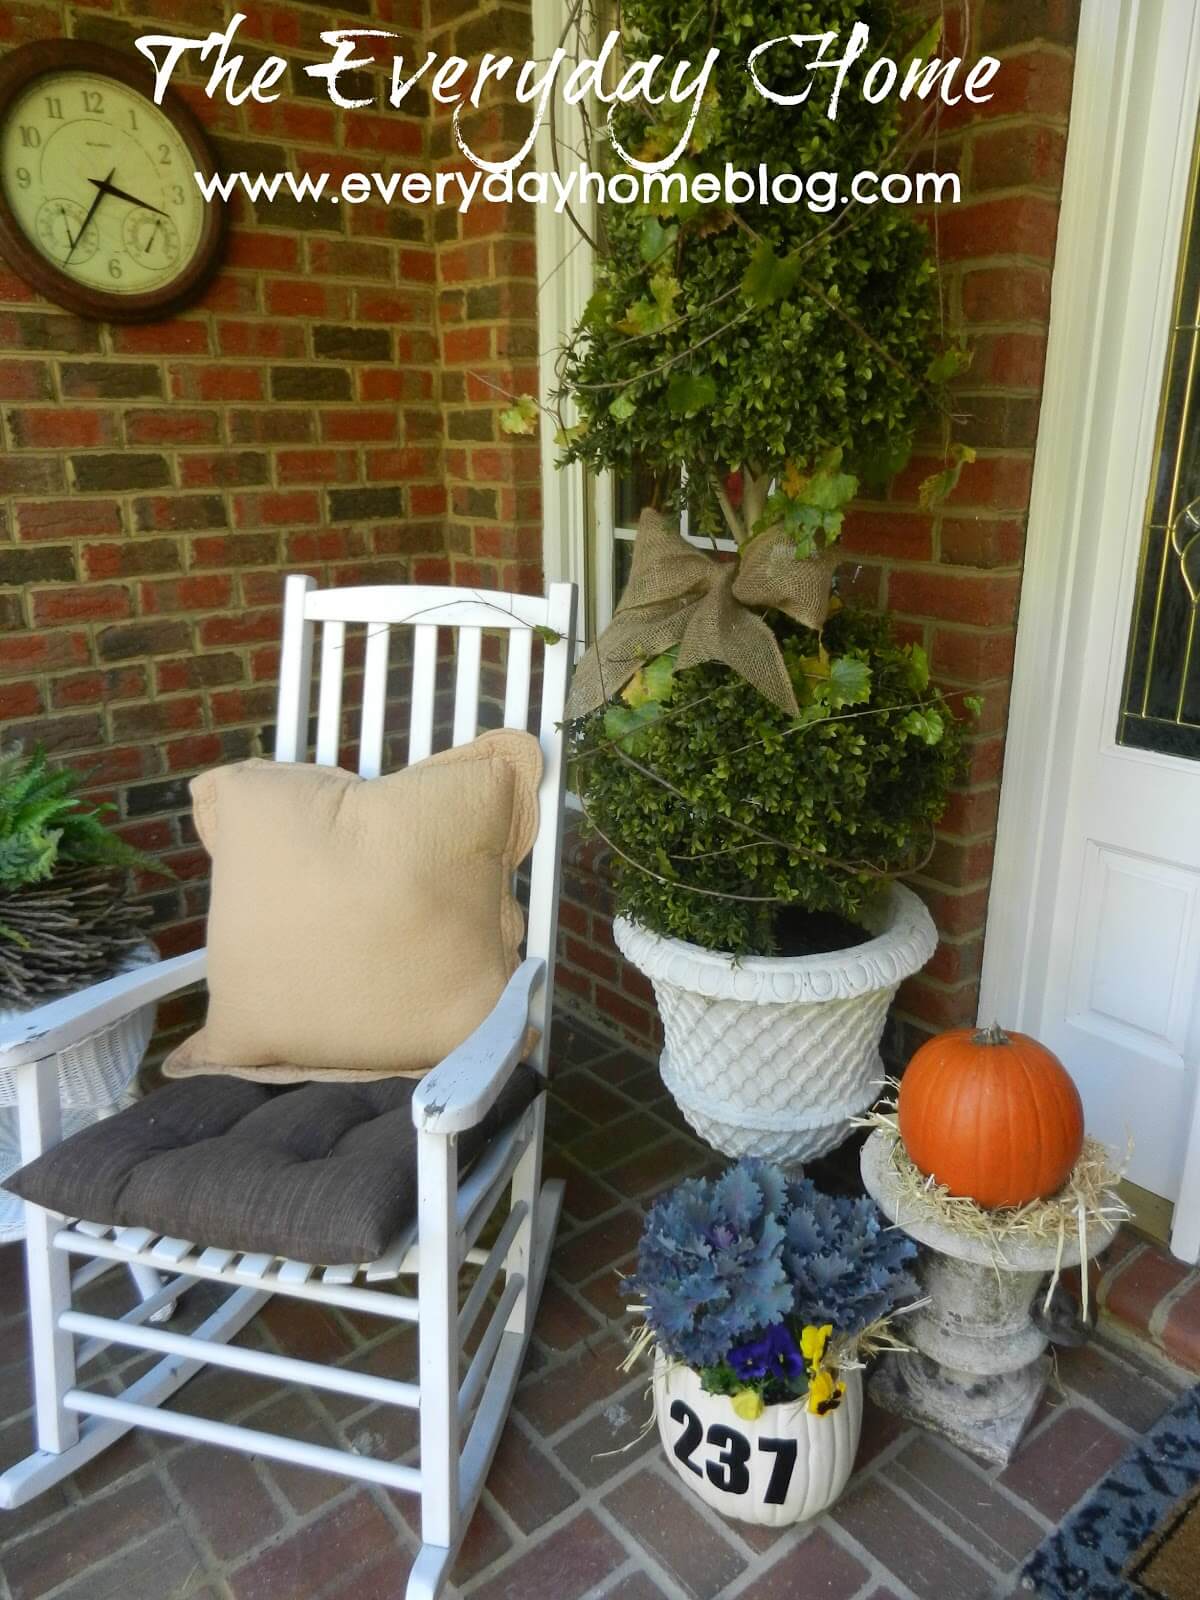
<point>93,1080</point>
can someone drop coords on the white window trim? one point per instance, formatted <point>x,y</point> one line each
<point>565,278</point>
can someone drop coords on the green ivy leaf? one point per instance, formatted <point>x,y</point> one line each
<point>653,682</point>
<point>878,467</point>
<point>628,726</point>
<point>949,364</point>
<point>656,240</point>
<point>520,418</point>
<point>849,681</point>
<point>664,286</point>
<point>769,277</point>
<point>650,316</point>
<point>919,663</point>
<point>942,484</point>
<point>623,407</point>
<point>925,46</point>
<point>689,392</point>
<point>926,725</point>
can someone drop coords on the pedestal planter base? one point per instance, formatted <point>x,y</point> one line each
<point>986,1417</point>
<point>772,1056</point>
<point>978,1366</point>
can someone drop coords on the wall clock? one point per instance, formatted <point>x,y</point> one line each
<point>99,209</point>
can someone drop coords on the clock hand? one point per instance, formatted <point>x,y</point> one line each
<point>105,187</point>
<point>88,218</point>
<point>62,211</point>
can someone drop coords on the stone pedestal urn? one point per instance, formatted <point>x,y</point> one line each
<point>773,1055</point>
<point>978,1366</point>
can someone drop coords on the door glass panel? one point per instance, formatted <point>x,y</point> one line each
<point>1161,706</point>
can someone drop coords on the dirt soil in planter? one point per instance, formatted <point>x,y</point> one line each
<point>816,933</point>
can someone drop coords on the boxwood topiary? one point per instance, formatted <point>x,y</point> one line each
<point>761,338</point>
<point>722,811</point>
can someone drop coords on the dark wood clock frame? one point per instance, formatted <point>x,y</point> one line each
<point>31,61</point>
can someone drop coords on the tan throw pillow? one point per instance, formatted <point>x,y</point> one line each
<point>359,926</point>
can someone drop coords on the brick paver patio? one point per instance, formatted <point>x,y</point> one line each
<point>578,1505</point>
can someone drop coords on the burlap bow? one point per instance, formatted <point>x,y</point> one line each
<point>678,595</point>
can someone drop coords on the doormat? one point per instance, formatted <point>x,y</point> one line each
<point>1137,1536</point>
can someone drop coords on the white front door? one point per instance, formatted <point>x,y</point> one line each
<point>1094,925</point>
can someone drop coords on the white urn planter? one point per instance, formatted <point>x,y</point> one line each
<point>784,1467</point>
<point>773,1055</point>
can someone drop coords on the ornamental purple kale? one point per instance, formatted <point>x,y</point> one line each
<point>848,1267</point>
<point>710,1263</point>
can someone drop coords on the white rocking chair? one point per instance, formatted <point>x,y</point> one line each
<point>462,1412</point>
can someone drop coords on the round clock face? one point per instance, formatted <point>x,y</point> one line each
<point>98,202</point>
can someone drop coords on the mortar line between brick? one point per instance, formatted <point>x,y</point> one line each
<point>999,1574</point>
<point>1162,1311</point>
<point>661,1575</point>
<point>587,1498</point>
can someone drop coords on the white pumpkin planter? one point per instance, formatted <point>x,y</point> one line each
<point>786,1466</point>
<point>773,1055</point>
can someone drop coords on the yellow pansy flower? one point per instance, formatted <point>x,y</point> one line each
<point>813,1341</point>
<point>824,1393</point>
<point>748,1404</point>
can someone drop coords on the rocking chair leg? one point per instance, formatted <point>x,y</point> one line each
<point>526,1186</point>
<point>437,1222</point>
<point>147,1282</point>
<point>48,1270</point>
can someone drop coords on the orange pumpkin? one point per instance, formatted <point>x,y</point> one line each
<point>991,1115</point>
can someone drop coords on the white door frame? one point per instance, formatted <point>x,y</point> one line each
<point>565,269</point>
<point>1133,118</point>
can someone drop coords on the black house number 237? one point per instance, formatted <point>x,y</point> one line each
<point>729,1471</point>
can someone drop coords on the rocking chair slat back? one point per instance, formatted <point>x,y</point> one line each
<point>295,675</point>
<point>466,685</point>
<point>424,685</point>
<point>329,711</point>
<point>385,609</point>
<point>516,687</point>
<point>374,700</point>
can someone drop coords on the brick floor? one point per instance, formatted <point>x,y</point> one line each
<point>580,1504</point>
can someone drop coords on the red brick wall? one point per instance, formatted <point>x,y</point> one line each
<point>157,482</point>
<point>953,579</point>
<point>487,322</point>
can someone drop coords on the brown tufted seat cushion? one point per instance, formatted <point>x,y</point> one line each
<point>325,1172</point>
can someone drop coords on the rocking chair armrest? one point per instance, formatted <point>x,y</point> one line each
<point>59,1024</point>
<point>462,1088</point>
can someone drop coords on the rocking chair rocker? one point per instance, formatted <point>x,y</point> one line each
<point>462,1404</point>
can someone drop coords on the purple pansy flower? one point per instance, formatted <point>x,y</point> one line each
<point>773,1356</point>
